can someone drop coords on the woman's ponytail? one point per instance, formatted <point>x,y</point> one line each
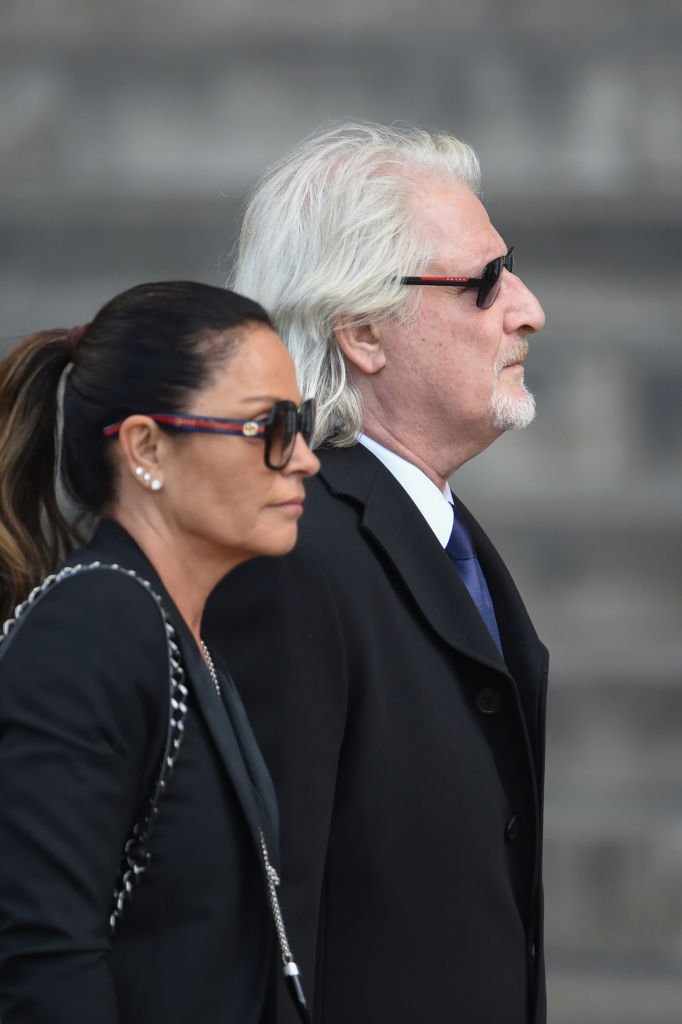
<point>34,534</point>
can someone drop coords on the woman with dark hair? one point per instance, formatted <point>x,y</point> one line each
<point>127,895</point>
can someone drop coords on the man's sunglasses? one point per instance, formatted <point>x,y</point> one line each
<point>488,283</point>
<point>278,429</point>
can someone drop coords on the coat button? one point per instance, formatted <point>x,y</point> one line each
<point>489,701</point>
<point>512,828</point>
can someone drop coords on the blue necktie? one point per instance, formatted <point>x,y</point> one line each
<point>461,551</point>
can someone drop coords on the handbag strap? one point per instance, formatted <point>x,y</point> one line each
<point>292,975</point>
<point>135,857</point>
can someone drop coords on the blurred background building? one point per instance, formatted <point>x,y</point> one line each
<point>130,133</point>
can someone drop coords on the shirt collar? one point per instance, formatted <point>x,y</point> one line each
<point>435,505</point>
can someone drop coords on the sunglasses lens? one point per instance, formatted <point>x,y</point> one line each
<point>488,291</point>
<point>282,435</point>
<point>490,281</point>
<point>307,420</point>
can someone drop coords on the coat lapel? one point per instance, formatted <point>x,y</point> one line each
<point>394,524</point>
<point>226,722</point>
<point>526,656</point>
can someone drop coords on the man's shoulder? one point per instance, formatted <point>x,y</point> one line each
<point>328,530</point>
<point>347,476</point>
<point>337,497</point>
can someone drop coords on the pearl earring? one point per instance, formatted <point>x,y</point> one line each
<point>156,485</point>
<point>146,477</point>
<point>138,471</point>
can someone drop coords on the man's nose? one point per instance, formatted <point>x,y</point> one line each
<point>524,307</point>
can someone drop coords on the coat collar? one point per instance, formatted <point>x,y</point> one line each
<point>230,731</point>
<point>392,521</point>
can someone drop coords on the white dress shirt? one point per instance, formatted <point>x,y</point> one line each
<point>435,505</point>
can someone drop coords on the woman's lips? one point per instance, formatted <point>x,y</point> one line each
<point>291,503</point>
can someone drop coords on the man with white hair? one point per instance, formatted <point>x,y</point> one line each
<point>388,664</point>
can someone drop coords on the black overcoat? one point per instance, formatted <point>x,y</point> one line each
<point>84,702</point>
<point>407,757</point>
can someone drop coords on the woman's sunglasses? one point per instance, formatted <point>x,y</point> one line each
<point>278,429</point>
<point>488,283</point>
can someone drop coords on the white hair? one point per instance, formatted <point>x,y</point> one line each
<point>507,413</point>
<point>326,236</point>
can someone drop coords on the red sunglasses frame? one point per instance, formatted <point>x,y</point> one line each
<point>304,424</point>
<point>487,283</point>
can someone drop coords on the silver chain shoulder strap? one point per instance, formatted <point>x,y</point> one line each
<point>135,857</point>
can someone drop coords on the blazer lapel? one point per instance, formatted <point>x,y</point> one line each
<point>226,721</point>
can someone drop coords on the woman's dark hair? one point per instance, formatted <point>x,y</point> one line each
<point>150,349</point>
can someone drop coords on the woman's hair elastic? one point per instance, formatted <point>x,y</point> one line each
<point>74,336</point>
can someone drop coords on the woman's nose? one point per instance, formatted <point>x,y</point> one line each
<point>303,460</point>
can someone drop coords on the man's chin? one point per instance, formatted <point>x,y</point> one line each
<point>512,413</point>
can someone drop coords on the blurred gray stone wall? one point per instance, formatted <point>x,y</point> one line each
<point>129,135</point>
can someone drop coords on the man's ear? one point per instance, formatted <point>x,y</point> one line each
<point>361,346</point>
<point>142,445</point>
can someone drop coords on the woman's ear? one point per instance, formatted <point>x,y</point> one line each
<point>361,346</point>
<point>143,446</point>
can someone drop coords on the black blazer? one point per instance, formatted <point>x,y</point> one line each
<point>83,719</point>
<point>407,757</point>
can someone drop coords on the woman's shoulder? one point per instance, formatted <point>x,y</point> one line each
<point>88,656</point>
<point>93,625</point>
<point>88,594</point>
